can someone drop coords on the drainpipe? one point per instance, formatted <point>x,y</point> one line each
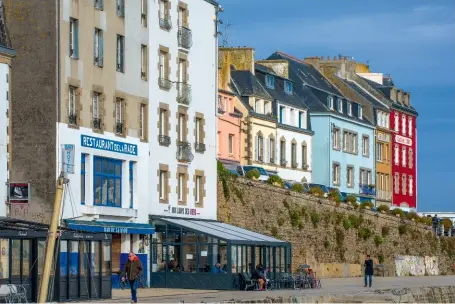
<point>218,9</point>
<point>58,90</point>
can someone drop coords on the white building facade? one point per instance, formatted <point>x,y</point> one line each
<point>294,144</point>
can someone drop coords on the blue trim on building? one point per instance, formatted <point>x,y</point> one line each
<point>107,173</point>
<point>131,171</point>
<point>83,156</point>
<point>110,227</point>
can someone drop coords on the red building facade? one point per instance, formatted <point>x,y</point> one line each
<point>404,161</point>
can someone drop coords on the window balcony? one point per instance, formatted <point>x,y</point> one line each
<point>305,167</point>
<point>165,23</point>
<point>164,83</point>
<point>221,111</point>
<point>97,123</point>
<point>294,165</point>
<point>185,38</point>
<point>384,195</point>
<point>72,119</point>
<point>183,93</point>
<point>164,140</point>
<point>199,147</point>
<point>283,163</point>
<point>365,189</point>
<point>184,152</point>
<point>119,128</point>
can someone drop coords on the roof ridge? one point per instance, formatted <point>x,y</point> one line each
<point>290,57</point>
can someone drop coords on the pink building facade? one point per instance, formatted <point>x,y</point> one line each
<point>229,122</point>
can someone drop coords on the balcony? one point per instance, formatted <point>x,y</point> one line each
<point>164,83</point>
<point>72,119</point>
<point>367,190</point>
<point>221,111</point>
<point>185,38</point>
<point>384,195</point>
<point>199,147</point>
<point>183,93</point>
<point>283,163</point>
<point>97,123</point>
<point>165,23</point>
<point>184,152</point>
<point>164,140</point>
<point>119,128</point>
<point>294,165</point>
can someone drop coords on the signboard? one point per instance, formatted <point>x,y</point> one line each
<point>403,140</point>
<point>183,211</point>
<point>108,145</point>
<point>68,158</point>
<point>19,193</point>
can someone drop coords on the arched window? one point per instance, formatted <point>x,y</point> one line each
<point>305,164</point>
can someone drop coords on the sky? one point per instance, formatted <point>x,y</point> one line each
<point>413,40</point>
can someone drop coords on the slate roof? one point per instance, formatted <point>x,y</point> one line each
<point>384,89</point>
<point>376,104</point>
<point>247,84</point>
<point>4,35</point>
<point>265,69</point>
<point>314,89</point>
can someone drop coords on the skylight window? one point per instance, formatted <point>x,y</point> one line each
<point>288,87</point>
<point>270,81</point>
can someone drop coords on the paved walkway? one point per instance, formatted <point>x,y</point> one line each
<point>343,286</point>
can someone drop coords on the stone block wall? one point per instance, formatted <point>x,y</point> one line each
<point>333,240</point>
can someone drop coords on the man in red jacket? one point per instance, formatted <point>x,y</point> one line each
<point>132,270</point>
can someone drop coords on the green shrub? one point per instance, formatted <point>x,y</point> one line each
<point>364,233</point>
<point>294,215</point>
<point>367,205</point>
<point>403,229</point>
<point>223,175</point>
<point>274,231</point>
<point>347,224</point>
<point>334,195</point>
<point>385,231</point>
<point>378,240</point>
<point>426,220</point>
<point>351,198</point>
<point>356,221</point>
<point>355,205</point>
<point>317,191</point>
<point>447,223</point>
<point>412,216</point>
<point>253,174</point>
<point>303,212</point>
<point>297,188</point>
<point>380,259</point>
<point>398,211</point>
<point>275,180</point>
<point>384,208</point>
<point>315,219</point>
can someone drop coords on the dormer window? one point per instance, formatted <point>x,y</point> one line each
<point>349,106</point>
<point>330,102</point>
<point>340,105</point>
<point>360,112</point>
<point>288,87</point>
<point>270,81</point>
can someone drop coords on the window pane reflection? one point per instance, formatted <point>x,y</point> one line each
<point>204,258</point>
<point>74,258</point>
<point>107,264</point>
<point>15,265</point>
<point>189,258</point>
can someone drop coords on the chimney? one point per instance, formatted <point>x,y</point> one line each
<point>393,94</point>
<point>314,61</point>
<point>407,98</point>
<point>224,70</point>
<point>400,96</point>
<point>280,67</point>
<point>242,58</point>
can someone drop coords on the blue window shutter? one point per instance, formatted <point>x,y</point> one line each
<point>281,114</point>
<point>76,39</point>
<point>300,119</point>
<point>101,50</point>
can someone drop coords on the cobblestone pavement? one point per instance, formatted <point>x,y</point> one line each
<point>344,286</point>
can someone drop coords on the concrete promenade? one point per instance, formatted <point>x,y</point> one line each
<point>330,287</point>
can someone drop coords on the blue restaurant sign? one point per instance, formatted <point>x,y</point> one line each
<point>108,145</point>
<point>110,227</point>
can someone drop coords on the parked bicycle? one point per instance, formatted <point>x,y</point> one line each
<point>140,281</point>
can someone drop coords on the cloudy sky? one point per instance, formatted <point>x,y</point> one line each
<point>413,40</point>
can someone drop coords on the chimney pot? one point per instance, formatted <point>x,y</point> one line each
<point>335,58</point>
<point>339,57</point>
<point>322,57</point>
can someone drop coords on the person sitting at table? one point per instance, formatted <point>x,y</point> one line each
<point>217,268</point>
<point>257,275</point>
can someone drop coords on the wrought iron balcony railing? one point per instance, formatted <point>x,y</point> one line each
<point>272,160</point>
<point>185,37</point>
<point>164,140</point>
<point>119,128</point>
<point>367,189</point>
<point>97,123</point>
<point>165,23</point>
<point>184,152</point>
<point>283,163</point>
<point>72,119</point>
<point>199,147</point>
<point>183,93</point>
<point>294,165</point>
<point>164,83</point>
<point>305,166</point>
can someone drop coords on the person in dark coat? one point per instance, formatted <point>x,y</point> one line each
<point>368,271</point>
<point>132,271</point>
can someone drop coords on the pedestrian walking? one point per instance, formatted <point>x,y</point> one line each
<point>368,271</point>
<point>132,271</point>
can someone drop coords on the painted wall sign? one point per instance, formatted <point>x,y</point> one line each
<point>68,158</point>
<point>19,193</point>
<point>181,210</point>
<point>403,140</point>
<point>108,145</point>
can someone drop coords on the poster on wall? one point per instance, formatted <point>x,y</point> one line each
<point>19,193</point>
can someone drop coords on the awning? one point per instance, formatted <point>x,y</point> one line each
<point>229,233</point>
<point>110,227</point>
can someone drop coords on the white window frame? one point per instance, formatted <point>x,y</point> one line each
<point>336,138</point>
<point>330,102</point>
<point>272,149</point>
<point>403,156</point>
<point>144,61</point>
<point>360,112</point>
<point>231,144</point>
<point>197,125</point>
<point>396,183</point>
<point>163,177</point>
<point>410,126</point>
<point>181,122</point>
<point>73,25</point>
<point>162,8</point>
<point>142,121</point>
<point>349,108</point>
<point>335,173</point>
<point>198,189</point>
<point>403,124</point>
<point>396,153</point>
<point>96,104</point>
<point>404,184</point>
<point>144,13</point>
<point>350,176</point>
<point>97,45</point>
<point>257,106</point>
<point>365,146</point>
<point>411,185</point>
<point>162,59</point>
<point>396,120</point>
<point>163,113</point>
<point>118,110</point>
<point>72,100</point>
<point>379,150</point>
<point>340,105</point>
<point>181,182</point>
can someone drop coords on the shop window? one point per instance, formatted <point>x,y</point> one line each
<point>107,182</point>
<point>4,259</point>
<point>106,266</point>
<point>83,252</point>
<point>15,263</point>
<point>95,258</point>
<point>63,258</point>
<point>74,258</point>
<point>189,258</point>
